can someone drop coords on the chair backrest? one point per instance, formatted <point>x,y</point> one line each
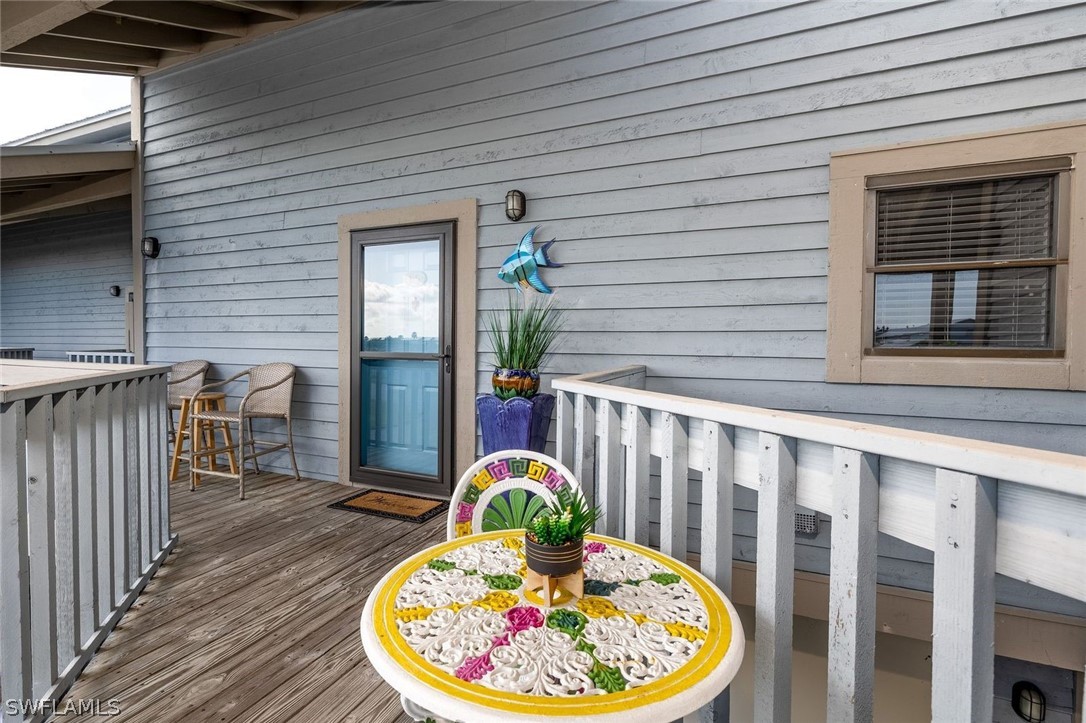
<point>273,402</point>
<point>505,490</point>
<point>185,378</point>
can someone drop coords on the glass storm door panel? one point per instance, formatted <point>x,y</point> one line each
<point>401,383</point>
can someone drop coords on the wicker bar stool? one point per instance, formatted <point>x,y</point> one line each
<point>185,378</point>
<point>270,393</point>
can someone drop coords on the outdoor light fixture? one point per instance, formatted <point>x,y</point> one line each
<point>114,290</point>
<point>514,205</point>
<point>150,247</point>
<point>1028,701</point>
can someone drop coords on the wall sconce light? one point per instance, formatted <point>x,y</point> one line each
<point>114,290</point>
<point>1028,701</point>
<point>150,247</point>
<point>515,205</point>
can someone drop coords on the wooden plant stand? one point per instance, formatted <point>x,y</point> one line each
<point>549,585</point>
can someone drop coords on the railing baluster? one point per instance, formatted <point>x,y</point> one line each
<point>67,523</point>
<point>853,555</point>
<point>87,536</point>
<point>163,478</point>
<point>40,512</point>
<point>674,476</point>
<point>963,614</point>
<point>153,486</point>
<point>717,504</point>
<point>637,474</point>
<point>717,494</point>
<point>584,445</point>
<point>16,676</point>
<point>132,482</point>
<point>611,466</point>
<point>564,442</point>
<point>103,504</point>
<point>143,489</point>
<point>119,495</point>
<point>774,579</point>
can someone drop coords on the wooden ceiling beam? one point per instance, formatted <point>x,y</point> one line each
<point>45,46</point>
<point>22,20</point>
<point>60,164</point>
<point>15,60</point>
<point>285,10</point>
<point>128,31</point>
<point>36,202</point>
<point>182,14</point>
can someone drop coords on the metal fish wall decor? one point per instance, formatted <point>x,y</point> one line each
<point>521,269</point>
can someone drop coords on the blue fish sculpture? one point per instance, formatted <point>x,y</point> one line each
<point>522,267</point>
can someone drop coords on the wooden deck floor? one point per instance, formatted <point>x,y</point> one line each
<point>254,618</point>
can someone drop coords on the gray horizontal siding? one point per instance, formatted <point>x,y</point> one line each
<point>55,276</point>
<point>678,151</point>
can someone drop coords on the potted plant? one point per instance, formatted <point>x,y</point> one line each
<point>516,415</point>
<point>554,545</point>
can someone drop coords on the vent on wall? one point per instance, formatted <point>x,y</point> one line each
<point>807,523</point>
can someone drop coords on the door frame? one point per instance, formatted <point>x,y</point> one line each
<point>368,238</point>
<point>463,214</point>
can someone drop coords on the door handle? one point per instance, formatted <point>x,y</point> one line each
<point>447,356</point>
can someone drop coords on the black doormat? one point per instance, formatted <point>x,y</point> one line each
<point>398,506</point>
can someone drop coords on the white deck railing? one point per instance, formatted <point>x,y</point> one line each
<point>84,516</point>
<point>981,507</point>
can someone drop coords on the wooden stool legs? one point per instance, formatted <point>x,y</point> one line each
<point>202,436</point>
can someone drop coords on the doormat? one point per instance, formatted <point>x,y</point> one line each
<point>398,506</point>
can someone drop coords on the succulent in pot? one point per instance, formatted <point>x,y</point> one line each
<point>554,541</point>
<point>522,337</point>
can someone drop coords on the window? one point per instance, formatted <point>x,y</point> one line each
<point>953,262</point>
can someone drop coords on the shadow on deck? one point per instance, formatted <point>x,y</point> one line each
<point>254,618</point>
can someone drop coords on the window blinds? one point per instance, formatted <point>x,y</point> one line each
<point>976,227</point>
<point>992,220</point>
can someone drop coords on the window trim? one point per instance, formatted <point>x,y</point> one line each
<point>854,178</point>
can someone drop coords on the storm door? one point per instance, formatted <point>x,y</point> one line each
<point>401,384</point>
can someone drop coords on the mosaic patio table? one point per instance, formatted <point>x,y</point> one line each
<point>454,631</point>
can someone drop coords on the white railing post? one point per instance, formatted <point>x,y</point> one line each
<point>611,464</point>
<point>717,494</point>
<point>853,555</point>
<point>87,536</point>
<point>564,441</point>
<point>963,616</point>
<point>774,579</point>
<point>40,506</point>
<point>103,499</point>
<point>119,497</point>
<point>637,474</point>
<point>674,481</point>
<point>584,446</point>
<point>66,526</point>
<point>16,676</point>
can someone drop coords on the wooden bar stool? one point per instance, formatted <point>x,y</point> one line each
<point>202,442</point>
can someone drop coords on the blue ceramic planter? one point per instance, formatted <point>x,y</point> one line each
<point>516,423</point>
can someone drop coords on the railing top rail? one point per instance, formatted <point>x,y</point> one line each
<point>1043,469</point>
<point>25,378</point>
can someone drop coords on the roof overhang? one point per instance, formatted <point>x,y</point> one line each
<point>37,181</point>
<point>136,37</point>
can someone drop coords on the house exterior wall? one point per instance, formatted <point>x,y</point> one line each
<point>678,151</point>
<point>55,275</point>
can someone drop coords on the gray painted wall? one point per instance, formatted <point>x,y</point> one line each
<point>55,276</point>
<point>679,151</point>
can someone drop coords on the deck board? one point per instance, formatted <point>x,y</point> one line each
<point>254,618</point>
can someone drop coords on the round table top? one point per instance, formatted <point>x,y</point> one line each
<point>452,629</point>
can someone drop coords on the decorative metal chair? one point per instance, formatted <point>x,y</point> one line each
<point>185,378</point>
<point>505,491</point>
<point>270,393</point>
